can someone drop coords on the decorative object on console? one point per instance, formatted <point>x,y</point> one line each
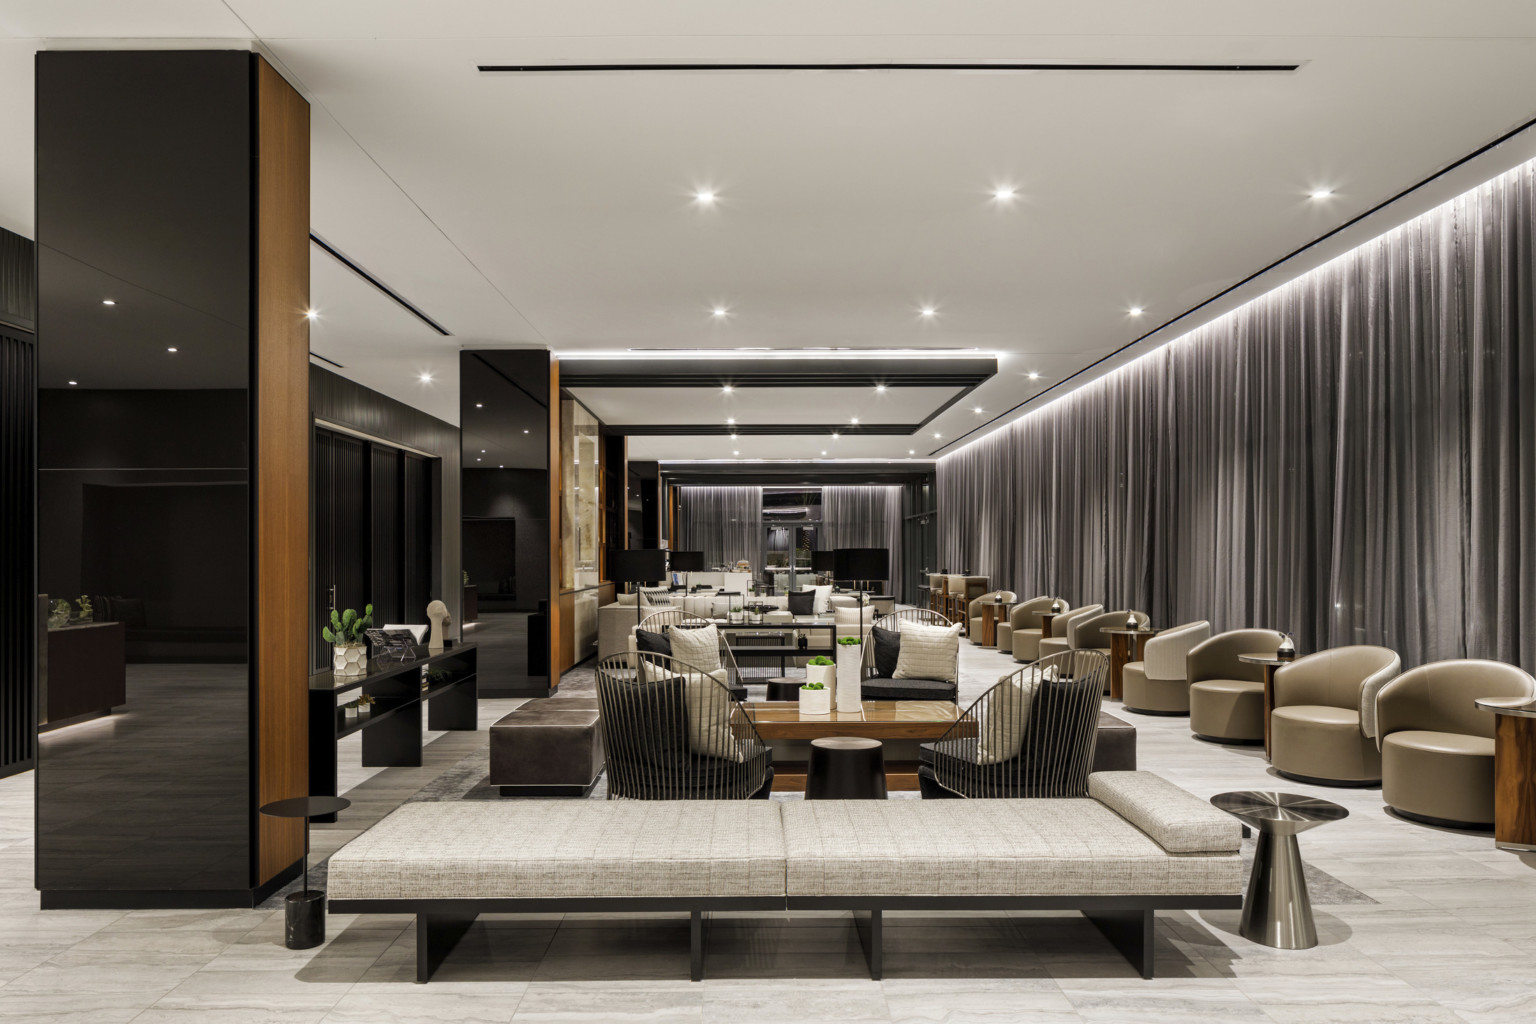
<point>364,706</point>
<point>1056,608</point>
<point>1287,649</point>
<point>401,643</point>
<point>346,635</point>
<point>822,671</point>
<point>350,709</point>
<point>86,612</point>
<point>815,699</point>
<point>58,618</point>
<point>1131,621</point>
<point>437,614</point>
<point>736,614</point>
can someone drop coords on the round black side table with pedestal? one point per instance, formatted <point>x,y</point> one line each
<point>785,687</point>
<point>1277,910</point>
<point>845,768</point>
<point>304,911</point>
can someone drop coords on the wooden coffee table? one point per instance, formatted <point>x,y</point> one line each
<point>900,724</point>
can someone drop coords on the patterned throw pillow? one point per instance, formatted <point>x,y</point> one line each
<point>697,647</point>
<point>658,598</point>
<point>927,652</point>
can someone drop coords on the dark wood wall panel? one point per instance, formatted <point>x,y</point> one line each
<point>18,635</point>
<point>387,513</point>
<point>281,439</point>
<point>416,538</point>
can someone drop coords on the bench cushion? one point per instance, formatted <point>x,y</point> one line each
<point>1179,821</point>
<point>987,848</point>
<point>565,848</point>
<point>882,688</point>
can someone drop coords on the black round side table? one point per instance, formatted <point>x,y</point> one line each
<point>304,911</point>
<point>845,768</point>
<point>785,688</point>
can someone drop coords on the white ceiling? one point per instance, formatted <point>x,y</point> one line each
<point>556,210</point>
<point>766,406</point>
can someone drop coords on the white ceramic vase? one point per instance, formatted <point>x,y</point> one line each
<point>826,675</point>
<point>815,702</point>
<point>349,659</point>
<point>849,685</point>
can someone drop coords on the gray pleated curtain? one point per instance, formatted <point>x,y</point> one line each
<point>863,516</point>
<point>1351,457</point>
<point>726,523</point>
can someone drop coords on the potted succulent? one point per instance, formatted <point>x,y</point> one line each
<point>735,614</point>
<point>349,710</point>
<point>822,671</point>
<point>364,706</point>
<point>349,644</point>
<point>86,611</point>
<point>815,699</point>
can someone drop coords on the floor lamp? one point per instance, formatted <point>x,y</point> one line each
<point>862,565</point>
<point>635,566</point>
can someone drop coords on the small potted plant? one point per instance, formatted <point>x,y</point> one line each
<point>349,644</point>
<point>350,711</point>
<point>86,611</point>
<point>58,617</point>
<point>364,706</point>
<point>735,614</point>
<point>815,699</point>
<point>849,641</point>
<point>821,670</point>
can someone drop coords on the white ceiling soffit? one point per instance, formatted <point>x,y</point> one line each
<point>761,406</point>
<point>559,209</point>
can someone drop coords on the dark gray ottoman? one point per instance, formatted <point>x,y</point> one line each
<point>1116,747</point>
<point>552,746</point>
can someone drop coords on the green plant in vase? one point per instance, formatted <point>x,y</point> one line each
<point>347,635</point>
<point>86,611</point>
<point>849,641</point>
<point>365,705</point>
<point>58,614</point>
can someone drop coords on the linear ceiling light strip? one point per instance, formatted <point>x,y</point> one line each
<point>1225,69</point>
<point>346,261</point>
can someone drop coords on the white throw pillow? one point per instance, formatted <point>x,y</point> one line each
<point>823,599</point>
<point>697,647</point>
<point>709,716</point>
<point>1002,734</point>
<point>927,652</point>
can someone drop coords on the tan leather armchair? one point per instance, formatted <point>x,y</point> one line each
<point>1156,685</point>
<point>1318,731</point>
<point>973,612</point>
<point>1025,617</point>
<point>1437,745</point>
<point>1061,629</point>
<point>1088,634</point>
<point>1226,696</point>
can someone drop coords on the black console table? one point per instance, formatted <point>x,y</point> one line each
<point>444,682</point>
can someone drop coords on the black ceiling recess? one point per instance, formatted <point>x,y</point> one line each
<point>950,66</point>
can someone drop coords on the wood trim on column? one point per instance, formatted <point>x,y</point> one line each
<point>556,500</point>
<point>280,647</point>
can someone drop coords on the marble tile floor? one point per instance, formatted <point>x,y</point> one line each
<point>1447,940</point>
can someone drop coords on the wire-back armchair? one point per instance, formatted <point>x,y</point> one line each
<point>1031,735</point>
<point>668,619</point>
<point>672,732</point>
<point>893,621</point>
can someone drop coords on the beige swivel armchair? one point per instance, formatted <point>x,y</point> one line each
<point>1025,618</point>
<point>973,612</point>
<point>1157,685</point>
<point>1061,629</point>
<point>1088,634</point>
<point>1226,696</point>
<point>1323,725</point>
<point>1437,745</point>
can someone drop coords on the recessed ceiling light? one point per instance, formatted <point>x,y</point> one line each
<point>730,419</point>
<point>836,435</point>
<point>426,378</point>
<point>171,348</point>
<point>1032,375</point>
<point>477,459</point>
<point>501,467</point>
<point>482,451</point>
<point>936,436</point>
<point>705,196</point>
<point>854,420</point>
<point>726,389</point>
<point>735,453</point>
<point>109,302</point>
<point>880,389</point>
<point>927,311</point>
<point>74,382</point>
<point>911,451</point>
<point>1003,193</point>
<point>823,451</point>
<point>1321,193</point>
<point>719,311</point>
<point>525,431</point>
<point>479,405</point>
<point>733,437</point>
<point>1135,311</point>
<point>978,410</point>
<point>311,314</point>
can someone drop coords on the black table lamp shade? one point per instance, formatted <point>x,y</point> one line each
<point>823,561</point>
<point>862,564</point>
<point>687,561</point>
<point>637,565</point>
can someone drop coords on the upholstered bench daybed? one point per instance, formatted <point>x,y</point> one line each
<point>1136,845</point>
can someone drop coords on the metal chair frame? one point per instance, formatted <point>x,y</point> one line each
<point>1057,738</point>
<point>893,620</point>
<point>665,619</point>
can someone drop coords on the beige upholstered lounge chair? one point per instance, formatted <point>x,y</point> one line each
<point>1226,696</point>
<point>1323,725</point>
<point>1061,629</point>
<point>973,611</point>
<point>1157,685</point>
<point>1023,627</point>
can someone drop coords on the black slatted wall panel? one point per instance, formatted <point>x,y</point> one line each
<point>18,624</point>
<point>417,496</point>
<point>388,570</point>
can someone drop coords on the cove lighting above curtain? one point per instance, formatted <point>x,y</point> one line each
<point>1351,457</point>
<point>726,523</point>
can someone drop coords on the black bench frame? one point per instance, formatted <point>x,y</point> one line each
<point>1128,922</point>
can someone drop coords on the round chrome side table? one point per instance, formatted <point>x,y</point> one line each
<point>1277,911</point>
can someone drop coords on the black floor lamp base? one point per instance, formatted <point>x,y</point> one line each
<point>304,919</point>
